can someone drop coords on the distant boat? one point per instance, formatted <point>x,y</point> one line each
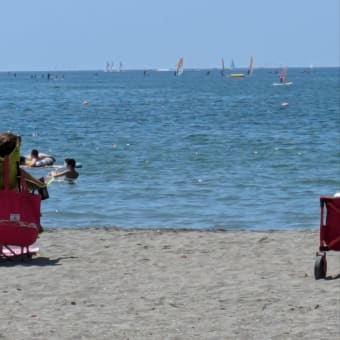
<point>235,75</point>
<point>179,69</point>
<point>241,75</point>
<point>109,67</point>
<point>282,78</point>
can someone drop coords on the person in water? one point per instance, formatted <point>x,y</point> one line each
<point>70,171</point>
<point>39,159</point>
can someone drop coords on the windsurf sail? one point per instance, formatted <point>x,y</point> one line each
<point>251,63</point>
<point>232,65</point>
<point>283,75</point>
<point>222,69</point>
<point>179,69</point>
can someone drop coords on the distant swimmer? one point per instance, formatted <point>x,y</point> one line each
<point>39,159</point>
<point>69,172</point>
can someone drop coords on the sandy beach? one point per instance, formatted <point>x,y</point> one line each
<point>106,283</point>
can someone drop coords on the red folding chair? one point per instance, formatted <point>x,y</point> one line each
<point>19,218</point>
<point>329,233</point>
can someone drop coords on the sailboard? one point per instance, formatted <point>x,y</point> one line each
<point>283,84</point>
<point>179,69</point>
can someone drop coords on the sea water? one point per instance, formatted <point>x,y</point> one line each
<point>195,151</point>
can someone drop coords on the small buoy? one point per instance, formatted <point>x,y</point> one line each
<point>283,104</point>
<point>85,103</point>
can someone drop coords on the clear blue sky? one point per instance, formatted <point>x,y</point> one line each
<point>84,34</point>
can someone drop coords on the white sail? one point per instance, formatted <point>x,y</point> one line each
<point>251,65</point>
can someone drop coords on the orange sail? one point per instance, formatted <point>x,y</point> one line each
<point>179,69</point>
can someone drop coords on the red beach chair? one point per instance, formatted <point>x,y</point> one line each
<point>329,233</point>
<point>19,218</point>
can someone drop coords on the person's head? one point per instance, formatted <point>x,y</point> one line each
<point>70,162</point>
<point>8,142</point>
<point>34,153</point>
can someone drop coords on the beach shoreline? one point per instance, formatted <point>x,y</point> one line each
<point>113,283</point>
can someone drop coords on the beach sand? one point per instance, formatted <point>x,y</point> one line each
<point>106,283</point>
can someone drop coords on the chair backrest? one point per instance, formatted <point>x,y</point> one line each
<point>19,211</point>
<point>331,222</point>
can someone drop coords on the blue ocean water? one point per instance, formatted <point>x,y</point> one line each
<point>196,151</point>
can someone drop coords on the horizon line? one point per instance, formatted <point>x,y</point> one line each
<point>164,69</point>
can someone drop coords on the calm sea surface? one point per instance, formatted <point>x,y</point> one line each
<point>196,151</point>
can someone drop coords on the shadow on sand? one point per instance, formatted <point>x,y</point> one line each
<point>40,261</point>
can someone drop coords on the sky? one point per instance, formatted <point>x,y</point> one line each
<point>149,34</point>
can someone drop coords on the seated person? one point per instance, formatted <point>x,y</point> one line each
<point>69,172</point>
<point>39,159</point>
<point>10,146</point>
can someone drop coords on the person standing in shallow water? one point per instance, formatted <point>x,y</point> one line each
<point>70,171</point>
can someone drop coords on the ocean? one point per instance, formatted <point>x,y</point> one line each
<point>197,151</point>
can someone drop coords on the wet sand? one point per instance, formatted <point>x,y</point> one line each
<point>105,283</point>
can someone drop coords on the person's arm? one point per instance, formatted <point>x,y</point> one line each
<point>31,179</point>
<point>60,174</point>
<point>44,155</point>
<point>32,162</point>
